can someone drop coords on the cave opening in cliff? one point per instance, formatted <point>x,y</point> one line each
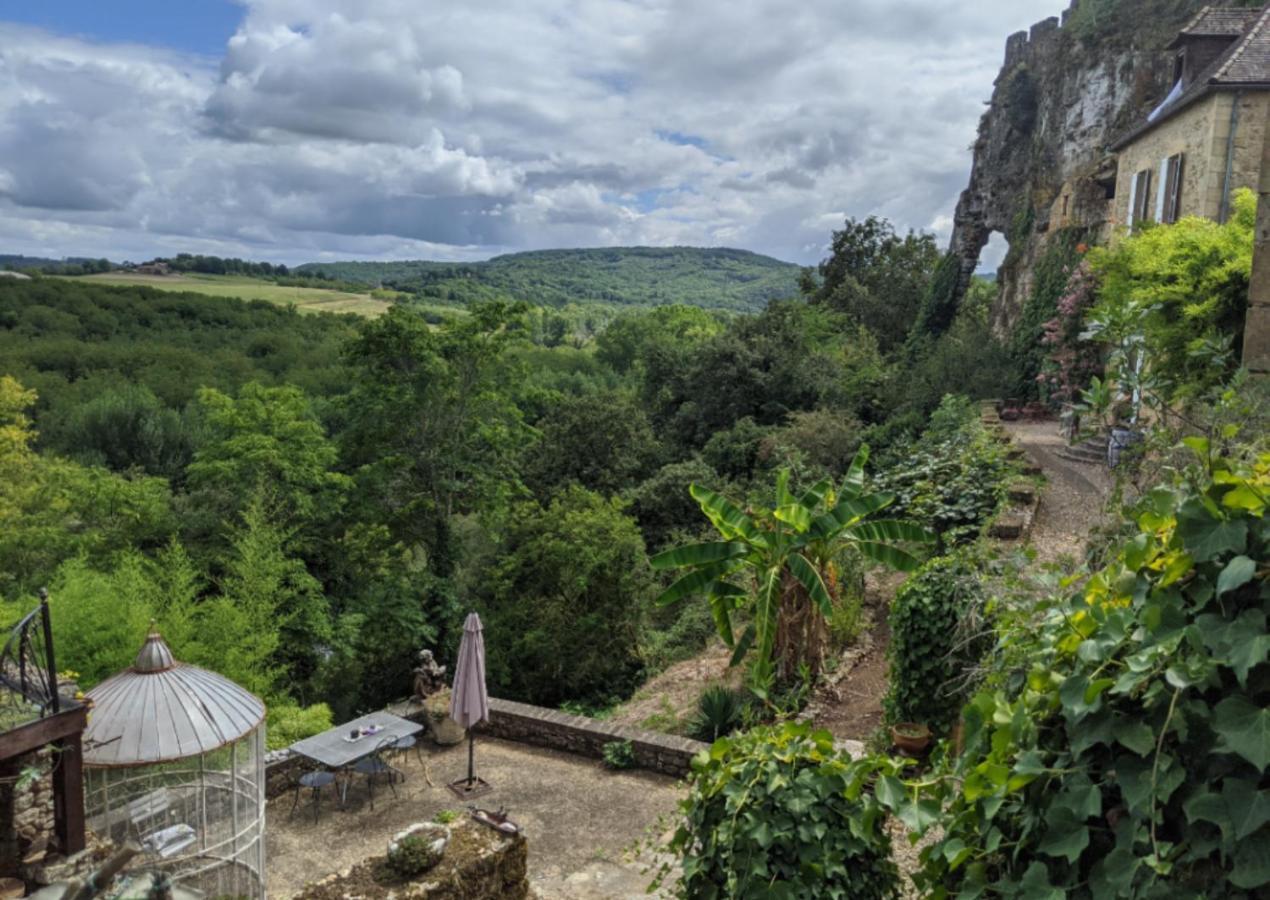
<point>992,255</point>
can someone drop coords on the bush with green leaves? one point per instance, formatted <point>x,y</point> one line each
<point>779,813</point>
<point>1126,751</point>
<point>720,711</point>
<point>952,480</point>
<point>619,754</point>
<point>938,635</point>
<point>416,853</point>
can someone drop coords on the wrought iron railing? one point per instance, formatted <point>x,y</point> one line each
<point>28,673</point>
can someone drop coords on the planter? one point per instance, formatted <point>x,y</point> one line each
<point>445,731</point>
<point>910,738</point>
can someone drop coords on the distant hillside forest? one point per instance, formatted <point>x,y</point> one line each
<point>714,278</point>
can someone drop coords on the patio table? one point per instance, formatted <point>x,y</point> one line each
<point>334,748</point>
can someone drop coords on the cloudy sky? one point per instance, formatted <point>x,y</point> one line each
<point>295,130</point>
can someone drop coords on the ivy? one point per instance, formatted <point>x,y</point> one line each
<point>938,635</point>
<point>1051,275</point>
<point>779,813</point>
<point>1129,757</point>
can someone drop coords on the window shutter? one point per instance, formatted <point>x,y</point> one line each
<point>1133,201</point>
<point>1173,190</point>
<point>1161,191</point>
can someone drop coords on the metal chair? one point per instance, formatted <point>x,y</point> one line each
<point>402,746</point>
<point>315,781</point>
<point>373,765</point>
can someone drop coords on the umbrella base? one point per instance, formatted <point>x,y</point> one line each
<point>466,789</point>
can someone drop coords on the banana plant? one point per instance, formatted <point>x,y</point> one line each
<point>779,563</point>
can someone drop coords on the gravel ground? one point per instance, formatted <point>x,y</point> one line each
<point>1073,496</point>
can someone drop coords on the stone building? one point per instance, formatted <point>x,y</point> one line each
<point>1205,140</point>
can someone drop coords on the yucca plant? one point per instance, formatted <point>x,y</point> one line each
<point>720,711</point>
<point>779,563</point>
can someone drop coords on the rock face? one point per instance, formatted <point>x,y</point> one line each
<point>1067,89</point>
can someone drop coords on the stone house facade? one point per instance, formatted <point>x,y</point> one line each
<point>1205,140</point>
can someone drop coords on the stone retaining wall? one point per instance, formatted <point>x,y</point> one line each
<point>526,724</point>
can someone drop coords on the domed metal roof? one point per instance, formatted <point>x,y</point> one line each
<point>161,710</point>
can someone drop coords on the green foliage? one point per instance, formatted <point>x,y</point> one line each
<point>715,278</point>
<point>445,816</point>
<point>1168,294</point>
<point>619,755</point>
<point>778,564</point>
<point>938,635</point>
<point>720,711</point>
<point>1126,755</point>
<point>662,505</point>
<point>413,855</point>
<point>779,813</point>
<point>876,277</point>
<point>939,305</point>
<point>287,723</point>
<point>601,440</point>
<point>564,601</point>
<point>1053,271</point>
<point>954,479</point>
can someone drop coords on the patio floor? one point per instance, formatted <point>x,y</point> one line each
<point>580,819</point>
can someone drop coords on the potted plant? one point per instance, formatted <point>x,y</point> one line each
<point>445,731</point>
<point>911,738</point>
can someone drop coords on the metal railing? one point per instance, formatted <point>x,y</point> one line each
<point>28,672</point>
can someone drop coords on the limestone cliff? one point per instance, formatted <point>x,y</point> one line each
<point>1041,164</point>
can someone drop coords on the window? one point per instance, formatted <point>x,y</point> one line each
<point>1172,188</point>
<point>1140,205</point>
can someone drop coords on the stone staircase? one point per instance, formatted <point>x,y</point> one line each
<point>1092,451</point>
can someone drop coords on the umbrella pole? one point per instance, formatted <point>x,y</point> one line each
<point>471,743</point>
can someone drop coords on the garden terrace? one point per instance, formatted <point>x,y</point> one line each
<point>579,818</point>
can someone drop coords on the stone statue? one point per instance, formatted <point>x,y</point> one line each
<point>429,677</point>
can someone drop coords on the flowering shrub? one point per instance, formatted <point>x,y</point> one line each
<point>1073,359</point>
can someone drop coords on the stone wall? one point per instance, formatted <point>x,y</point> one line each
<point>479,864</point>
<point>1202,133</point>
<point>664,753</point>
<point>526,724</point>
<point>26,813</point>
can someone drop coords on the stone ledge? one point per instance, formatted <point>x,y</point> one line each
<point>528,724</point>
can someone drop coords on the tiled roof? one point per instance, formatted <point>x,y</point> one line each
<point>1245,64</point>
<point>1217,21</point>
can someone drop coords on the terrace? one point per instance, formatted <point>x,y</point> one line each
<point>581,820</point>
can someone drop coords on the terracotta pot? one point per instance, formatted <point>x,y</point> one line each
<point>12,887</point>
<point>910,737</point>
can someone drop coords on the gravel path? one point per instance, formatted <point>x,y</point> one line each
<point>1073,496</point>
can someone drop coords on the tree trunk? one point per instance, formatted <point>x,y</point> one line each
<point>800,631</point>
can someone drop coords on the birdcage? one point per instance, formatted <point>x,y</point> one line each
<point>174,760</point>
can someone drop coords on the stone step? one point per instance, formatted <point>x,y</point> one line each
<point>1022,492</point>
<point>1008,527</point>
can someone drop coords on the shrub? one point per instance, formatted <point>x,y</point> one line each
<point>414,854</point>
<point>779,813</point>
<point>720,711</point>
<point>952,480</point>
<point>937,634</point>
<point>619,755</point>
<point>1127,755</point>
<point>445,816</point>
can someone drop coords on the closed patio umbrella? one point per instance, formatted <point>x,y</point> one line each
<point>469,701</point>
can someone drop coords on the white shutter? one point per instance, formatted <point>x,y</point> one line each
<point>1161,189</point>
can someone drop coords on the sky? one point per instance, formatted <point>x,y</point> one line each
<point>300,130</point>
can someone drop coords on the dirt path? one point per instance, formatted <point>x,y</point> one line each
<point>1073,496</point>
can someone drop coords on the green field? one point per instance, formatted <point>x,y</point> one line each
<point>304,299</point>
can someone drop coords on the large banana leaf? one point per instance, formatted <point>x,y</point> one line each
<point>695,582</point>
<point>889,530</point>
<point>813,496</point>
<point>850,510</point>
<point>809,577</point>
<point>766,615</point>
<point>725,516</point>
<point>721,611</point>
<point>889,555</point>
<point>795,515</point>
<point>743,645</point>
<point>853,482</point>
<point>699,554</point>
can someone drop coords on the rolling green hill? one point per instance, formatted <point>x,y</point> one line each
<point>713,278</point>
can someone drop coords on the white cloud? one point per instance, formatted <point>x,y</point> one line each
<point>390,128</point>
